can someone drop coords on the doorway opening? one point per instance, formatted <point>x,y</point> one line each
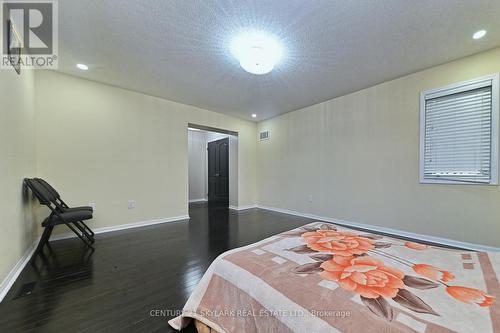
<point>212,166</point>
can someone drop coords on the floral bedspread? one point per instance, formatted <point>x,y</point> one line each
<point>326,278</point>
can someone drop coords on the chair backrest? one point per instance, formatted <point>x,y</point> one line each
<point>48,187</point>
<point>44,196</point>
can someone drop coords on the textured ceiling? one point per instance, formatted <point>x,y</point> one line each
<point>179,50</point>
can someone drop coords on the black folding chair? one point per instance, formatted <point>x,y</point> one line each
<point>64,208</point>
<point>69,218</point>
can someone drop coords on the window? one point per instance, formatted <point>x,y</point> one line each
<point>459,133</point>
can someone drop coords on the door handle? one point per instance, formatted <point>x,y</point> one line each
<point>217,175</point>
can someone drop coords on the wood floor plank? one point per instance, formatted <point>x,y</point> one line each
<point>131,273</point>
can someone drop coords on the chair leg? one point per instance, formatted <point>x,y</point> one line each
<point>88,229</point>
<point>84,232</point>
<point>44,239</point>
<point>79,236</point>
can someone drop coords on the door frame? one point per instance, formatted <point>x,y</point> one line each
<point>234,145</point>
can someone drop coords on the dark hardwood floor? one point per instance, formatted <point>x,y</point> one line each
<point>131,273</point>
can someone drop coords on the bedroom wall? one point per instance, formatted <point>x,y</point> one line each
<point>17,161</point>
<point>197,151</point>
<point>102,144</point>
<point>358,156</point>
<point>233,171</point>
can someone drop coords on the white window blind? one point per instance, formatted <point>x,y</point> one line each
<point>459,133</point>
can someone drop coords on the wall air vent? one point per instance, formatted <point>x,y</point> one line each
<point>264,135</point>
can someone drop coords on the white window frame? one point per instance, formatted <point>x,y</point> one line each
<point>489,80</point>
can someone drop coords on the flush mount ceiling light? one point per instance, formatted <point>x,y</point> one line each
<point>479,34</point>
<point>254,115</point>
<point>82,67</point>
<point>258,52</point>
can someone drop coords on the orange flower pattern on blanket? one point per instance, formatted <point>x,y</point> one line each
<point>470,295</point>
<point>348,259</point>
<point>416,246</point>
<point>433,273</point>
<point>342,243</point>
<point>366,276</point>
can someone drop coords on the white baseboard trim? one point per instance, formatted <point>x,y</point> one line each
<point>240,208</point>
<point>18,268</point>
<point>198,200</point>
<point>395,232</point>
<point>124,226</point>
<point>9,280</point>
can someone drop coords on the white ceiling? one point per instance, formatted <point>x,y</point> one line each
<point>179,50</point>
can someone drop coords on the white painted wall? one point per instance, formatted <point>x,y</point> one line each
<point>233,171</point>
<point>120,145</point>
<point>213,136</point>
<point>358,156</point>
<point>197,151</point>
<point>17,161</point>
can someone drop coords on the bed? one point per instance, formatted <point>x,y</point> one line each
<point>327,278</point>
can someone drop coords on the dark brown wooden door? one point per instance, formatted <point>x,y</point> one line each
<point>218,171</point>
